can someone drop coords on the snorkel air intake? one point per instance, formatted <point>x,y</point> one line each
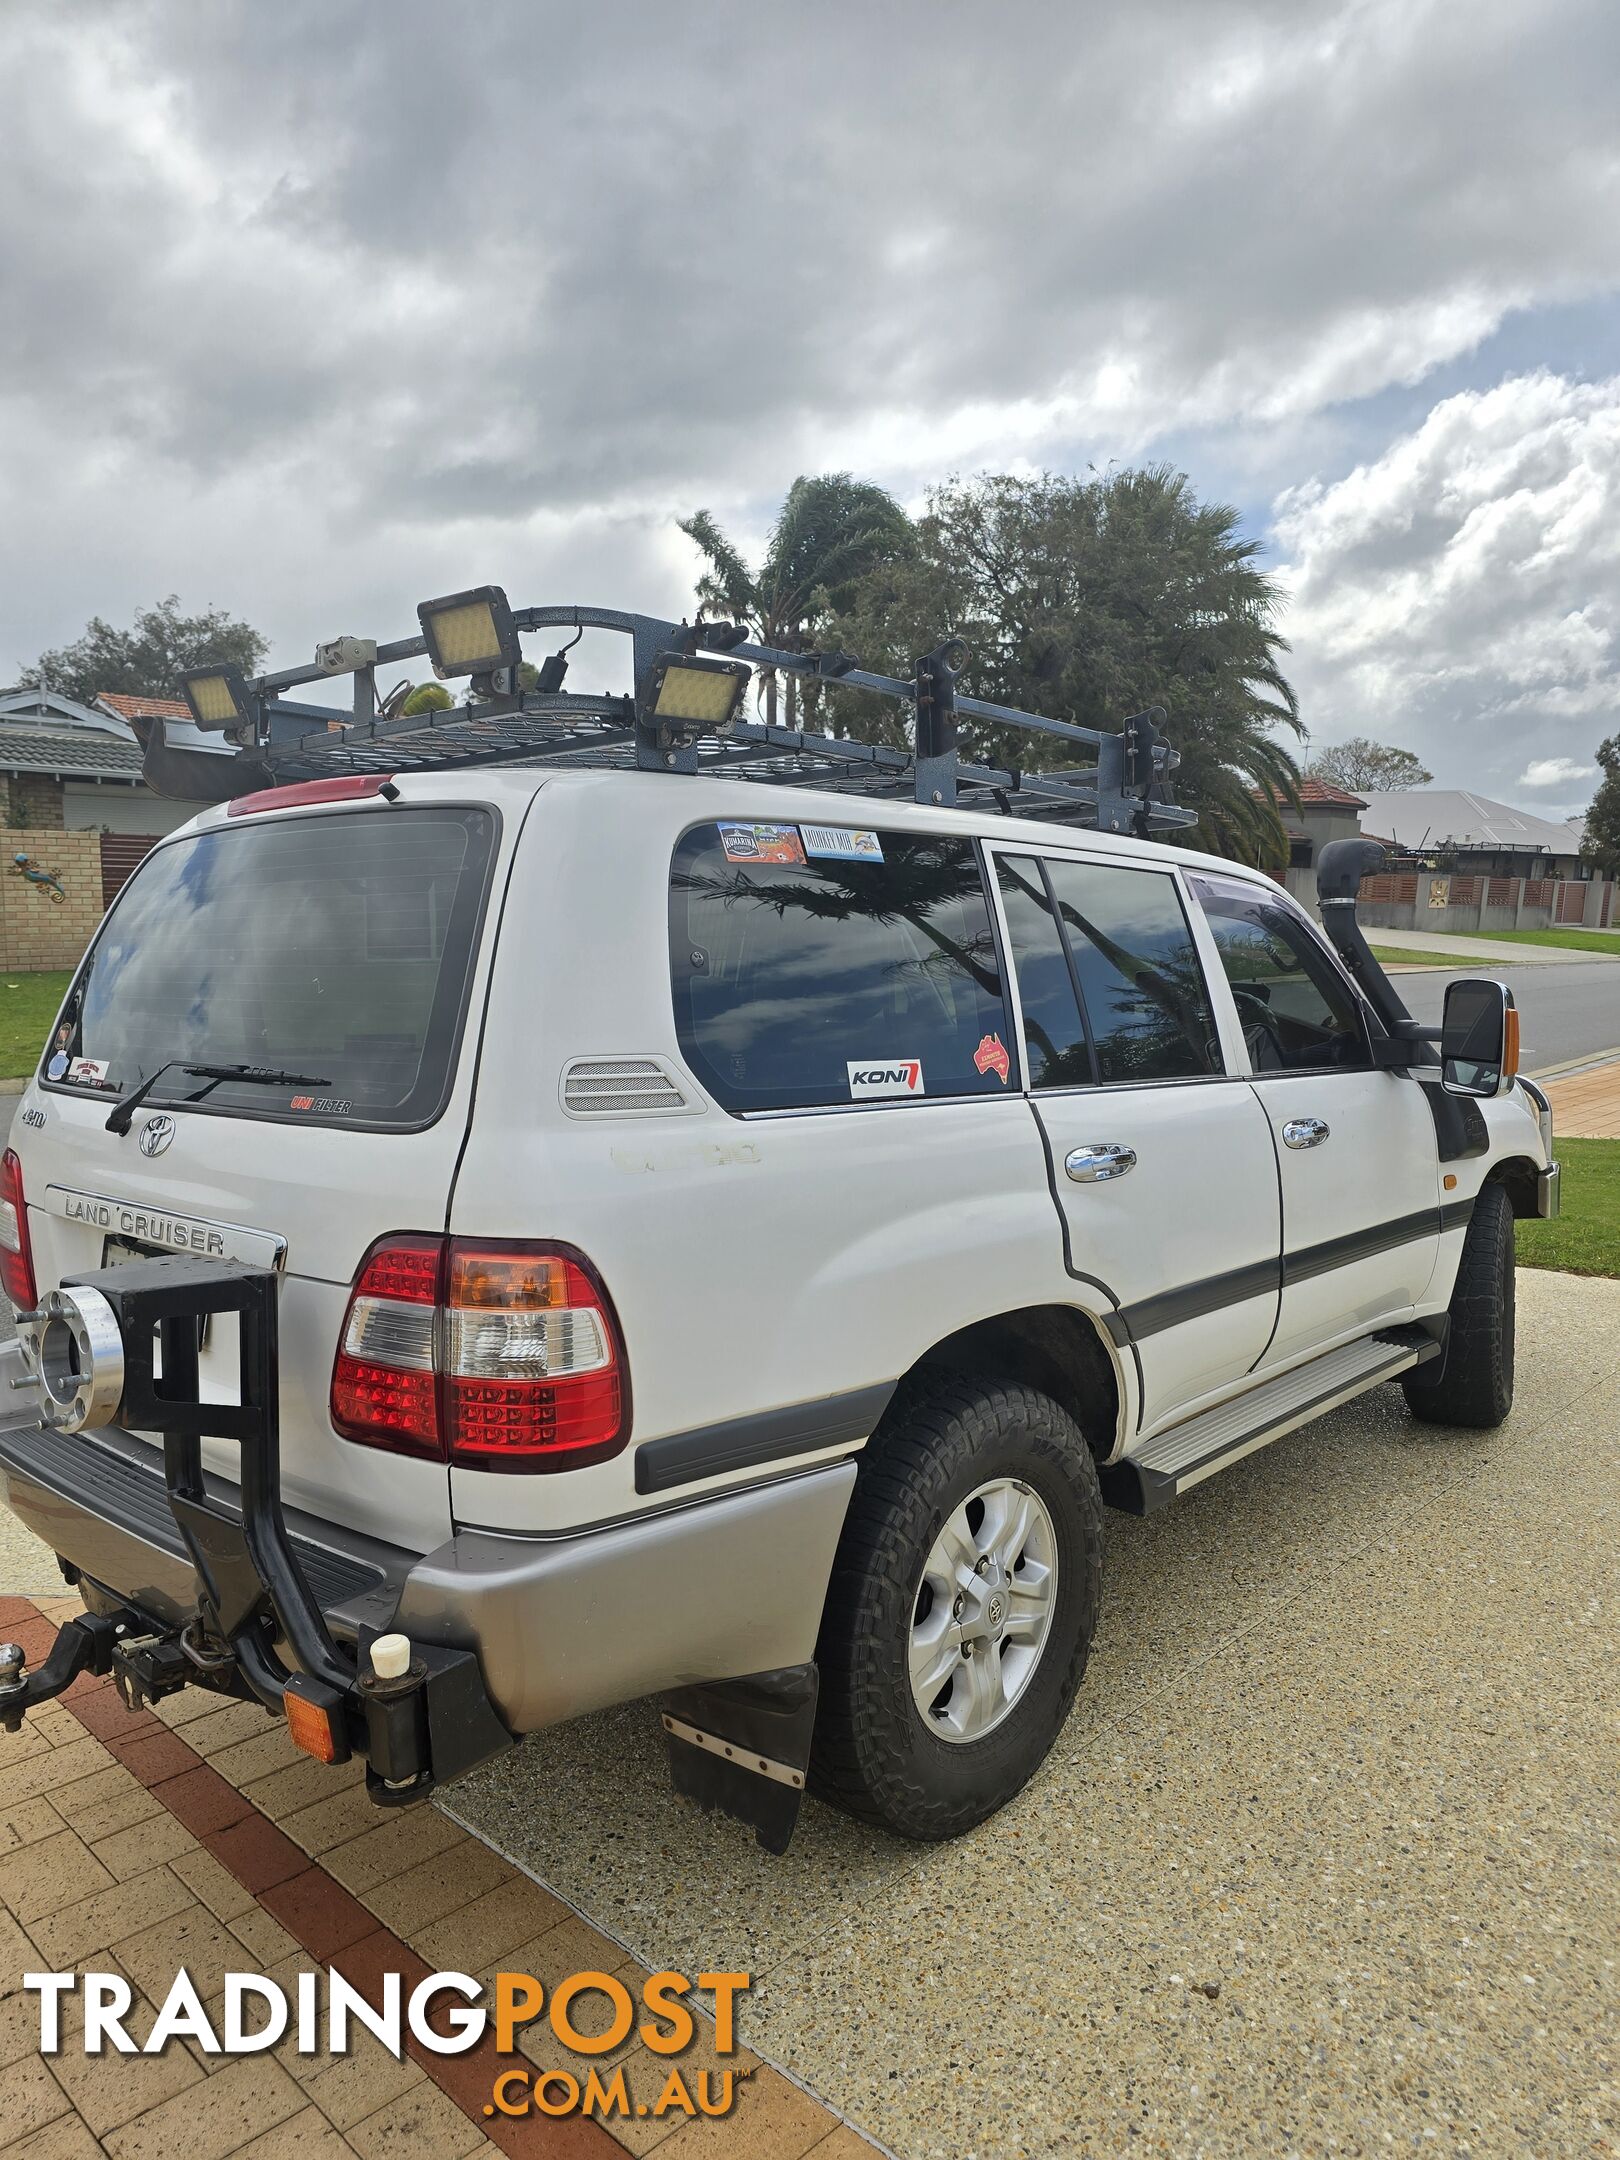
<point>1340,868</point>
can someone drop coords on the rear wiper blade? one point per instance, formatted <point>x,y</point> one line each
<point>120,1117</point>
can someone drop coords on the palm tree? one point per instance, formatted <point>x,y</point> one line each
<point>1089,599</point>
<point>831,531</point>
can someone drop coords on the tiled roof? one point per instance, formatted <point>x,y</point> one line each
<point>1315,795</point>
<point>59,750</point>
<point>144,708</point>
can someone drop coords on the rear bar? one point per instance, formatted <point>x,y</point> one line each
<point>419,1718</point>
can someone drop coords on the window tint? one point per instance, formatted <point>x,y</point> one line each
<point>1139,975</point>
<point>1054,1034</point>
<point>1295,1012</point>
<point>336,947</point>
<point>832,976</point>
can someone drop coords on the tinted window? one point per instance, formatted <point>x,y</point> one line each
<point>1295,1012</point>
<point>1054,1034</point>
<point>337,948</point>
<point>1144,991</point>
<point>818,977</point>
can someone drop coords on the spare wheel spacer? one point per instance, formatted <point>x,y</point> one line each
<point>79,1358</point>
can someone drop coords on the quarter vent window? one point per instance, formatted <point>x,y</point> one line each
<point>618,1087</point>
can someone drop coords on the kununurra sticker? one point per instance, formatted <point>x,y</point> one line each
<point>991,1056</point>
<point>761,843</point>
<point>839,843</point>
<point>872,1077</point>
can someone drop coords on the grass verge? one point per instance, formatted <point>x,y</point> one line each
<point>28,1005</point>
<point>1606,942</point>
<point>1585,1239</point>
<point>1398,956</point>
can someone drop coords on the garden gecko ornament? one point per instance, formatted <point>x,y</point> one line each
<point>47,881</point>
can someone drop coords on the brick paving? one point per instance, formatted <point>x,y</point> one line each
<point>1586,1105</point>
<point>199,1837</point>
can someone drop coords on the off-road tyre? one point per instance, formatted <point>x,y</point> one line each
<point>1472,1383</point>
<point>942,1437</point>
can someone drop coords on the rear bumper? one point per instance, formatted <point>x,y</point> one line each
<point>703,1592</point>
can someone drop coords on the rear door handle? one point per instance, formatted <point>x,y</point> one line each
<point>1099,1161</point>
<point>1301,1132</point>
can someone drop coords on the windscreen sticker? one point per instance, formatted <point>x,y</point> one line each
<point>838,841</point>
<point>93,1071</point>
<point>322,1105</point>
<point>991,1056</point>
<point>870,1077</point>
<point>761,843</point>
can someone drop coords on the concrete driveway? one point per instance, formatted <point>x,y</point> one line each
<point>1326,1861</point>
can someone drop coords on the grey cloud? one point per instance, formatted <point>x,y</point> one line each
<point>353,293</point>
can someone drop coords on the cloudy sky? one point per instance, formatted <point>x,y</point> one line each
<point>312,308</point>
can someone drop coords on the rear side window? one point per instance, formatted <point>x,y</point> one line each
<point>1121,936</point>
<point>817,966</point>
<point>336,948</point>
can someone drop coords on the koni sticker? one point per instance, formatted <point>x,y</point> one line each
<point>838,842</point>
<point>761,843</point>
<point>991,1056</point>
<point>873,1077</point>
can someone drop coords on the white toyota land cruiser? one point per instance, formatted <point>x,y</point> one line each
<point>561,1200</point>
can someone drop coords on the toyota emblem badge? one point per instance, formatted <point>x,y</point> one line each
<point>156,1135</point>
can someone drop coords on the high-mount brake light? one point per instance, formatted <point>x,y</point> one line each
<point>492,1355</point>
<point>350,788</point>
<point>16,1249</point>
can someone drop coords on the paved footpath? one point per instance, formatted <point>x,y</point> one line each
<point>1586,1104</point>
<point>201,1838</point>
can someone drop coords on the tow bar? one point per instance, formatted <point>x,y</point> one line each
<point>122,1344</point>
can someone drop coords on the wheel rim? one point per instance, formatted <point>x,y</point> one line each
<point>983,1610</point>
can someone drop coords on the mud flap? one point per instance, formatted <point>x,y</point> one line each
<point>743,1746</point>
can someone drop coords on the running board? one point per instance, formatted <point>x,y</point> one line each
<point>1174,1461</point>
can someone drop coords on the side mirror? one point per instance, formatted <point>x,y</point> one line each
<point>1479,1039</point>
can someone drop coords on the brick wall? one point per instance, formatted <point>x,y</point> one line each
<point>37,931</point>
<point>32,799</point>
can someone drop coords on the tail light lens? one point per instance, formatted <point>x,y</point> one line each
<point>16,1252</point>
<point>385,1387</point>
<point>494,1356</point>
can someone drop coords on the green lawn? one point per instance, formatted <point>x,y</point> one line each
<point>1586,1237</point>
<point>1398,956</point>
<point>1598,941</point>
<point>28,1005</point>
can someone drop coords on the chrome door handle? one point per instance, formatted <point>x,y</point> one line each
<point>1097,1163</point>
<point>1304,1132</point>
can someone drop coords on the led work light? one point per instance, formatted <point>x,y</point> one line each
<point>691,693</point>
<point>218,696</point>
<point>470,633</point>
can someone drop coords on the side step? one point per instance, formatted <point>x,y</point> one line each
<point>1173,1462</point>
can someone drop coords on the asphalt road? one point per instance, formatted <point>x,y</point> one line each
<point>1565,1011</point>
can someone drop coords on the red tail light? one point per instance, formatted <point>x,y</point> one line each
<point>494,1356</point>
<point>385,1384</point>
<point>16,1252</point>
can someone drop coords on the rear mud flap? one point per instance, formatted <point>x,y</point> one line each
<point>743,1746</point>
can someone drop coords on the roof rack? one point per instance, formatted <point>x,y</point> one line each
<point>683,715</point>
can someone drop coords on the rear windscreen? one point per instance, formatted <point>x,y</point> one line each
<point>332,953</point>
